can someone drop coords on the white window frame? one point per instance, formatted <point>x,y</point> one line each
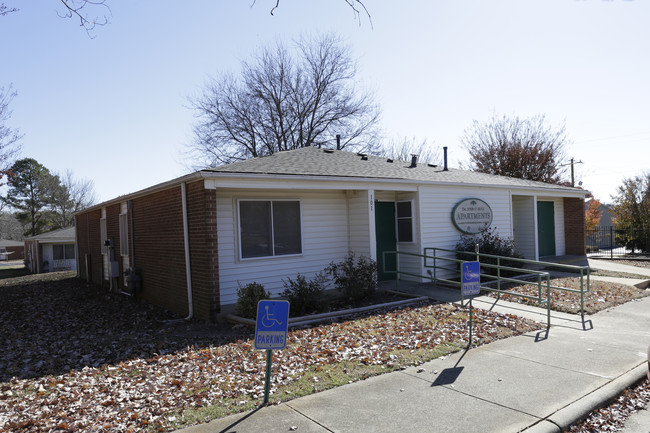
<point>65,256</point>
<point>411,218</point>
<point>273,256</point>
<point>124,235</point>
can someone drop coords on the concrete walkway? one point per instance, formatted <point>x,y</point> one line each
<point>542,381</point>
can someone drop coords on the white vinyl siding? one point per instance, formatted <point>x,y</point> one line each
<point>437,203</point>
<point>523,218</point>
<point>359,222</point>
<point>324,239</point>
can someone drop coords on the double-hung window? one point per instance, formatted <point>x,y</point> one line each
<point>404,221</point>
<point>63,251</point>
<point>269,228</point>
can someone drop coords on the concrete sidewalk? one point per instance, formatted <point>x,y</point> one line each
<point>539,382</point>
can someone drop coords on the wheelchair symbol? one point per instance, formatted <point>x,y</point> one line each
<point>268,319</point>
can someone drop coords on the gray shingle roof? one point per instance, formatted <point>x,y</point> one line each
<point>56,235</point>
<point>312,161</point>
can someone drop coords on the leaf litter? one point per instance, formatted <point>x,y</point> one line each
<point>76,358</point>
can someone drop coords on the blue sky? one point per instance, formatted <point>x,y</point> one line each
<point>114,109</point>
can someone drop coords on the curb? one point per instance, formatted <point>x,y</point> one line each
<point>581,408</point>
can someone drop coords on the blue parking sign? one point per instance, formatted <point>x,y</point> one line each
<point>272,324</point>
<point>470,278</point>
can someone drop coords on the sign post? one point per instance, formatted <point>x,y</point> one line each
<point>470,286</point>
<point>271,333</point>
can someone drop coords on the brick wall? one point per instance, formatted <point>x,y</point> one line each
<point>159,248</point>
<point>574,225</point>
<point>89,243</point>
<point>18,253</point>
<point>202,225</point>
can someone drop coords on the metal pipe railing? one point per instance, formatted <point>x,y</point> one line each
<point>453,265</point>
<point>584,271</point>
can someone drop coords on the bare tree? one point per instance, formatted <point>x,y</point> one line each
<point>80,9</point>
<point>9,137</point>
<point>284,100</point>
<point>357,7</point>
<point>70,196</point>
<point>10,227</point>
<point>83,10</point>
<point>405,147</point>
<point>526,148</point>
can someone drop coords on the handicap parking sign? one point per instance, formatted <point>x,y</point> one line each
<point>272,324</point>
<point>470,278</point>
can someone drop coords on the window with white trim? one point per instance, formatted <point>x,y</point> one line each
<point>404,221</point>
<point>124,235</point>
<point>269,228</point>
<point>63,251</point>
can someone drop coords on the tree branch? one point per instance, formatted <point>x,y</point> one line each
<point>76,8</point>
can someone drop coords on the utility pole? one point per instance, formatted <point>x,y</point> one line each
<point>572,171</point>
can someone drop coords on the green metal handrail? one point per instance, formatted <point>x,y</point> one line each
<point>540,276</point>
<point>584,271</point>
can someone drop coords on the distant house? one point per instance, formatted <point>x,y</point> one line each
<point>193,240</point>
<point>11,250</point>
<point>52,251</point>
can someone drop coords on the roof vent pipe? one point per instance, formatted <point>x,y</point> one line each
<point>338,141</point>
<point>414,161</point>
<point>444,149</point>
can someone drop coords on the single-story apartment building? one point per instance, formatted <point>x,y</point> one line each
<point>11,250</point>
<point>189,243</point>
<point>51,252</point>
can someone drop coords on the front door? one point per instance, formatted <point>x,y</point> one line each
<point>386,239</point>
<point>546,228</point>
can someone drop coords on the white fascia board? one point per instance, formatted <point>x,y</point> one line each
<point>263,181</point>
<point>266,181</point>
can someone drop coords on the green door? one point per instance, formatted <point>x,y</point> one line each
<point>386,239</point>
<point>546,228</point>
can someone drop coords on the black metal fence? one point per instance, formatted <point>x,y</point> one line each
<point>614,242</point>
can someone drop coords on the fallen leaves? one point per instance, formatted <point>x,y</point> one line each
<point>612,418</point>
<point>601,295</point>
<point>78,359</point>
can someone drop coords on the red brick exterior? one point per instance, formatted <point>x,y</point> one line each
<point>89,249</point>
<point>574,226</point>
<point>157,247</point>
<point>18,253</point>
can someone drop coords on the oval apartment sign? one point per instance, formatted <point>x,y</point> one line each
<point>472,216</point>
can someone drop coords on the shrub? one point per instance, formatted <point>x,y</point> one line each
<point>489,242</point>
<point>248,297</point>
<point>304,296</point>
<point>355,277</point>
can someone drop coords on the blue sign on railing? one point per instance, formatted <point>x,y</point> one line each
<point>272,324</point>
<point>471,278</point>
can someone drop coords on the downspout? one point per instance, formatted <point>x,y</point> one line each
<point>131,239</point>
<point>186,238</point>
<point>76,245</point>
